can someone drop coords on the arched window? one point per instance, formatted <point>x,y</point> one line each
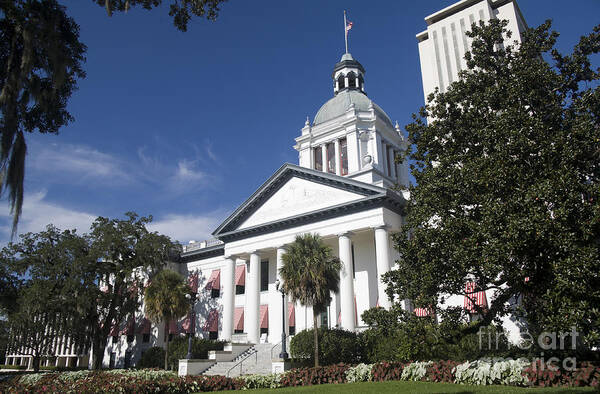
<point>351,80</point>
<point>360,82</point>
<point>341,84</point>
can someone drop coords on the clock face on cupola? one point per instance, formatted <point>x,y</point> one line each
<point>351,136</point>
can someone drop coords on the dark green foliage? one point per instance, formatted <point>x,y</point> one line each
<point>181,10</point>
<point>41,59</point>
<point>153,357</point>
<point>396,335</point>
<point>62,281</point>
<point>335,346</point>
<point>200,347</point>
<point>507,186</point>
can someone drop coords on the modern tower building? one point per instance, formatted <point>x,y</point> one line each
<point>443,45</point>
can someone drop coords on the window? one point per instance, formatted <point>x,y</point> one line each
<point>318,154</point>
<point>292,330</point>
<point>351,80</point>
<point>213,335</point>
<point>344,156</point>
<point>130,338</point>
<point>264,331</point>
<point>331,158</point>
<point>146,338</point>
<point>264,275</point>
<point>389,160</point>
<point>341,84</point>
<point>215,293</point>
<point>115,340</point>
<point>240,289</point>
<point>324,318</point>
<point>236,331</point>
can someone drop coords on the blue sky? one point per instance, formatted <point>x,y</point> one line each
<point>185,126</point>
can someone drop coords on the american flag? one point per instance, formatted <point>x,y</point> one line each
<point>348,25</point>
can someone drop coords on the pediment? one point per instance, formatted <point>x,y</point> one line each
<point>292,193</point>
<point>298,196</point>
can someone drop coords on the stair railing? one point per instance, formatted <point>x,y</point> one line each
<point>240,363</point>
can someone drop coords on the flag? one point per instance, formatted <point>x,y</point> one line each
<point>348,25</point>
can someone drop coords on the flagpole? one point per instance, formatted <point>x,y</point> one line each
<point>345,32</point>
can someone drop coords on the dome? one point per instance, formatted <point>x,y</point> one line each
<point>342,101</point>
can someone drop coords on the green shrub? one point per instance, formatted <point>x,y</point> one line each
<point>178,349</point>
<point>13,366</point>
<point>335,346</point>
<point>153,357</point>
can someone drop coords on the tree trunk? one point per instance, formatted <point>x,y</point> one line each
<point>97,352</point>
<point>36,363</point>
<point>316,334</point>
<point>166,345</point>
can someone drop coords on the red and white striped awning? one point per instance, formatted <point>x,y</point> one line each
<point>144,327</point>
<point>291,314</point>
<point>424,312</point>
<point>193,281</point>
<point>214,282</point>
<point>114,330</point>
<point>264,316</point>
<point>129,328</point>
<point>212,321</point>
<point>188,325</point>
<point>238,318</point>
<point>240,275</point>
<point>474,298</point>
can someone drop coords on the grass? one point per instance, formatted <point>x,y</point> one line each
<point>416,387</point>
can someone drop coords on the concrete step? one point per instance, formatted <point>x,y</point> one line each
<point>256,360</point>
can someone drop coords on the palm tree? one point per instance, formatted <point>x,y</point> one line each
<point>165,300</point>
<point>310,272</point>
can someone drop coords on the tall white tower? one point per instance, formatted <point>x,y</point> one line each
<point>443,45</point>
<point>352,136</point>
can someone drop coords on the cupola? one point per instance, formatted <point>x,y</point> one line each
<point>348,74</point>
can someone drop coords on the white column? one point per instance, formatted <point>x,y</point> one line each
<point>346,283</point>
<point>279,320</point>
<point>338,162</point>
<point>382,252</point>
<point>324,155</point>
<point>252,324</point>
<point>228,280</point>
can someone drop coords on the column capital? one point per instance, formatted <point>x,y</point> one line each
<point>381,227</point>
<point>348,234</point>
<point>233,257</point>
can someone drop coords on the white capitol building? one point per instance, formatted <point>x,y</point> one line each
<point>347,187</point>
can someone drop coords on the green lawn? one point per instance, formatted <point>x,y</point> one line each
<point>414,387</point>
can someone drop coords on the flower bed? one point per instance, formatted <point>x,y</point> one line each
<point>480,372</point>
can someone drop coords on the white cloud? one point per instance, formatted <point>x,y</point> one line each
<point>184,228</point>
<point>187,172</point>
<point>37,214</point>
<point>76,163</point>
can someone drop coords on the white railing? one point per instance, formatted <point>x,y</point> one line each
<point>201,245</point>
